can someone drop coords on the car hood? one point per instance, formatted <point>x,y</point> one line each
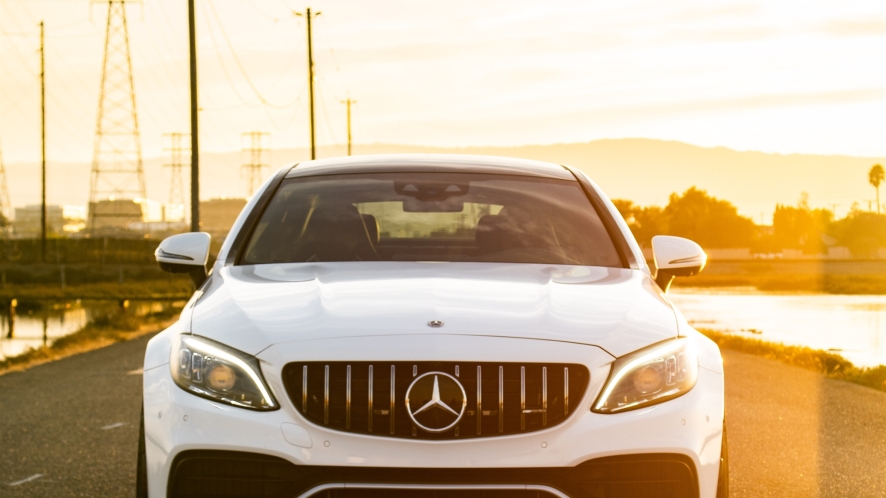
<point>253,307</point>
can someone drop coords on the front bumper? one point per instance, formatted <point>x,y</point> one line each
<point>687,428</point>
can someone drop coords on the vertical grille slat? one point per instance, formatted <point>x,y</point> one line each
<point>501,399</point>
<point>346,396</point>
<point>326,396</point>
<point>479,400</point>
<point>544,396</point>
<point>348,401</point>
<point>565,390</point>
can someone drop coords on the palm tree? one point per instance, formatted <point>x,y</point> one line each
<point>875,177</point>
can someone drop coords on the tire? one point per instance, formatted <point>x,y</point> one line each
<point>723,479</point>
<point>141,473</point>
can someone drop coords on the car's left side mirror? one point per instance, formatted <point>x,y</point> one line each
<point>185,253</point>
<point>676,257</point>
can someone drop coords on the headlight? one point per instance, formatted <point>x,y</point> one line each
<point>214,371</point>
<point>649,376</point>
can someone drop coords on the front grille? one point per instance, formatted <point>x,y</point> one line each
<point>432,493</point>
<point>500,398</point>
<point>229,474</point>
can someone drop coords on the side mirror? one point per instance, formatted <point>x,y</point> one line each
<point>676,257</point>
<point>185,253</point>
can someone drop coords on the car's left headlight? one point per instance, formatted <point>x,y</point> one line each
<point>211,370</point>
<point>649,376</point>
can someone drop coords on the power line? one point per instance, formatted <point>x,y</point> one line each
<point>240,64</point>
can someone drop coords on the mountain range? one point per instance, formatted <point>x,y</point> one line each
<point>645,171</point>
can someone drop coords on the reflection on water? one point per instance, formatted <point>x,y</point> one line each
<point>35,326</point>
<point>853,326</point>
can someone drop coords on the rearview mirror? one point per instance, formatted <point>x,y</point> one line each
<point>185,253</point>
<point>676,257</point>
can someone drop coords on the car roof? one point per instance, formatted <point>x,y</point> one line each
<point>432,163</point>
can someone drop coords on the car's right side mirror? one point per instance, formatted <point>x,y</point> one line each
<point>185,253</point>
<point>676,257</point>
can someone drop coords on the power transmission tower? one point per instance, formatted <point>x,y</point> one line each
<point>257,153</point>
<point>348,103</point>
<point>117,172</point>
<point>309,16</point>
<point>176,164</point>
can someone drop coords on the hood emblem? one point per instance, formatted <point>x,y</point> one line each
<point>435,401</point>
<point>435,324</point>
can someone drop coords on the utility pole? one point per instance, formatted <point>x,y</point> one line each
<point>348,103</point>
<point>42,150</point>
<point>308,16</point>
<point>833,209</point>
<point>195,149</point>
<point>256,151</point>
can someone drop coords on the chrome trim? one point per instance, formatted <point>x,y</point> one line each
<point>433,487</point>
<point>326,396</point>
<point>393,397</point>
<point>304,389</point>
<point>456,370</point>
<point>414,370</point>
<point>501,399</point>
<point>565,391</point>
<point>163,254</point>
<point>479,400</point>
<point>544,396</point>
<point>348,401</point>
<point>371,415</point>
<point>522,398</point>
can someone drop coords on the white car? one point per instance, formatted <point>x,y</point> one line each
<point>431,325</point>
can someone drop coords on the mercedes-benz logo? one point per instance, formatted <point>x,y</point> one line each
<point>435,401</point>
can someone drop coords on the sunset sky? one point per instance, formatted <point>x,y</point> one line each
<point>774,76</point>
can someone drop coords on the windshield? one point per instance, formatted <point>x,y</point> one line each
<point>431,217</point>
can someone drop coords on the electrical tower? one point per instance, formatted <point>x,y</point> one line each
<point>176,164</point>
<point>258,152</point>
<point>118,178</point>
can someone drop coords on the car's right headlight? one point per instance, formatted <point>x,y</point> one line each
<point>649,376</point>
<point>214,371</point>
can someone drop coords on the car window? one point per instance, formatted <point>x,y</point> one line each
<point>431,217</point>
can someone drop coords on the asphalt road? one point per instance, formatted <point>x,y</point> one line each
<point>69,428</point>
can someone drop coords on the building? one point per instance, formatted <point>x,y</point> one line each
<point>112,215</point>
<point>60,221</point>
<point>217,216</point>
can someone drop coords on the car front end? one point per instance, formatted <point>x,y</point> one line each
<point>431,378</point>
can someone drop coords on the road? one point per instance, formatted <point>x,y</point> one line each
<point>69,428</point>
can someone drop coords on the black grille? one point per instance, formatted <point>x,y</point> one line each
<point>432,493</point>
<point>514,398</point>
<point>205,473</point>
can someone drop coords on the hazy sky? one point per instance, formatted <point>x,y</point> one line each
<point>776,76</point>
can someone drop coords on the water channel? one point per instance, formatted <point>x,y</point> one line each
<point>33,326</point>
<point>853,326</point>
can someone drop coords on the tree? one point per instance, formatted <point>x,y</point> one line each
<point>862,232</point>
<point>644,222</point>
<point>875,177</point>
<point>800,227</point>
<point>707,220</point>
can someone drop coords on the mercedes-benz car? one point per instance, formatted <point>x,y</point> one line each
<point>431,325</point>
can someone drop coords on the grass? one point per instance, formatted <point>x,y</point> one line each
<point>152,289</point>
<point>114,326</point>
<point>818,283</point>
<point>831,365</point>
